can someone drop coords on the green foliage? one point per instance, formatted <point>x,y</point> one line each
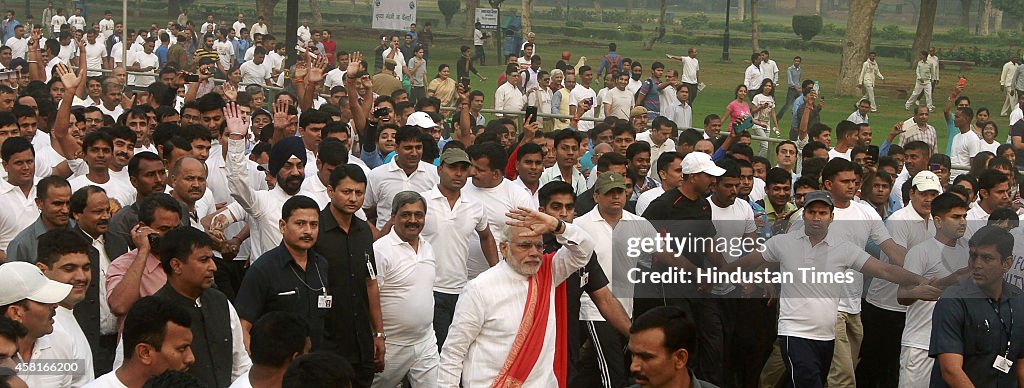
<point>574,23</point>
<point>1012,7</point>
<point>987,58</point>
<point>807,26</point>
<point>635,28</point>
<point>891,32</point>
<point>693,22</point>
<point>448,8</point>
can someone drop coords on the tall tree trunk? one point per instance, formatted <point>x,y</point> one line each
<point>755,35</point>
<point>986,14</point>
<point>527,22</point>
<point>314,8</point>
<point>265,8</point>
<point>741,8</point>
<point>925,27</point>
<point>597,9</point>
<point>997,20</point>
<point>471,6</point>
<point>965,15</point>
<point>856,44</point>
<point>138,7</point>
<point>659,32</point>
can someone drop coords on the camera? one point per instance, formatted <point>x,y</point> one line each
<point>382,112</point>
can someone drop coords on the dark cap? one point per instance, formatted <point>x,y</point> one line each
<point>819,195</point>
<point>454,155</point>
<point>284,150</point>
<point>609,181</point>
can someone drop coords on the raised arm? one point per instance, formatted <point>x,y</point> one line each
<point>65,144</point>
<point>238,128</point>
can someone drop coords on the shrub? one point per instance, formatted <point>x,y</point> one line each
<point>635,28</point>
<point>693,22</point>
<point>891,32</point>
<point>807,26</point>
<point>448,8</point>
<point>574,23</point>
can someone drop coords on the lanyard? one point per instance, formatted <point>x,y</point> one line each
<point>322,287</point>
<point>1008,330</point>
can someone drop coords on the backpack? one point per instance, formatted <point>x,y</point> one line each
<point>615,63</point>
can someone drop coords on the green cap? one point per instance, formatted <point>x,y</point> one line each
<point>608,181</point>
<point>454,155</point>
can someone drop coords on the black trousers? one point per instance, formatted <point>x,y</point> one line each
<point>879,365</point>
<point>444,312</point>
<point>603,361</point>
<point>752,338</point>
<point>807,361</point>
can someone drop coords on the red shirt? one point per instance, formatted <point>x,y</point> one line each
<point>329,48</point>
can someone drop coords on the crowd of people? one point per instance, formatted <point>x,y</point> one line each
<point>184,212</point>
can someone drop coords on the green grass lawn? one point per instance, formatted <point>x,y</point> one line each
<point>721,77</point>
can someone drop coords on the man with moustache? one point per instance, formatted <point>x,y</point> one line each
<point>186,255</point>
<point>291,277</point>
<point>63,257</point>
<point>148,175</point>
<point>529,165</point>
<point>287,164</point>
<point>54,199</point>
<point>188,185</point>
<point>18,190</point>
<point>453,219</point>
<point>405,277</point>
<point>31,299</point>
<point>90,208</point>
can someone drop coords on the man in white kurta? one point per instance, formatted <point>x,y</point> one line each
<point>491,308</point>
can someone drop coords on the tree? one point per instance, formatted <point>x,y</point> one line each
<point>314,8</point>
<point>925,27</point>
<point>471,6</point>
<point>597,9</point>
<point>658,32</point>
<point>983,19</point>
<point>138,8</point>
<point>965,14</point>
<point>755,35</point>
<point>448,8</point>
<point>265,8</point>
<point>527,10</point>
<point>1012,8</point>
<point>856,44</point>
<point>741,7</point>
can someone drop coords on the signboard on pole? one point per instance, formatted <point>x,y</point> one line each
<point>488,18</point>
<point>393,14</point>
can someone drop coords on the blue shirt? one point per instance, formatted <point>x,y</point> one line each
<point>9,28</point>
<point>241,46</point>
<point>797,103</point>
<point>161,54</point>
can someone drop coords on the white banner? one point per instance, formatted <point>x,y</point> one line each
<point>393,14</point>
<point>488,18</point>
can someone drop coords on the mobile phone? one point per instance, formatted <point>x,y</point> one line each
<point>464,81</point>
<point>154,240</point>
<point>382,112</point>
<point>873,153</point>
<point>817,86</point>
<point>531,114</point>
<point>189,77</point>
<point>934,167</point>
<point>962,82</point>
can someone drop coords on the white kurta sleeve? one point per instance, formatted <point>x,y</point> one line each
<point>466,326</point>
<point>240,361</point>
<point>577,246</point>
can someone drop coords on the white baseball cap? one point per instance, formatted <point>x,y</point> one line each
<point>22,280</point>
<point>926,181</point>
<point>698,162</point>
<point>420,119</point>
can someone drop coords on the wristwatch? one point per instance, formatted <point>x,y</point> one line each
<point>380,335</point>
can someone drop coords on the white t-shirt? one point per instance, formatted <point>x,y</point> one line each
<point>110,380</point>
<point>77,22</point>
<point>930,259</point>
<point>990,147</point>
<point>496,202</point>
<point>690,68</point>
<point>617,103</point>
<point>106,28</point>
<point>608,246</point>
<point>143,60</point>
<point>855,224</point>
<point>578,94</point>
<point>406,280</point>
<point>56,22</point>
<point>117,52</point>
<point>225,52</point>
<point>908,229</point>
<point>94,54</point>
<point>19,47</point>
<point>965,146</point>
<point>68,51</point>
<point>808,309</point>
<point>449,230</point>
<point>388,180</point>
<point>645,198</point>
<point>116,190</point>
<point>254,74</point>
<point>334,78</point>
<point>832,154</point>
<point>731,222</point>
<point>238,26</point>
